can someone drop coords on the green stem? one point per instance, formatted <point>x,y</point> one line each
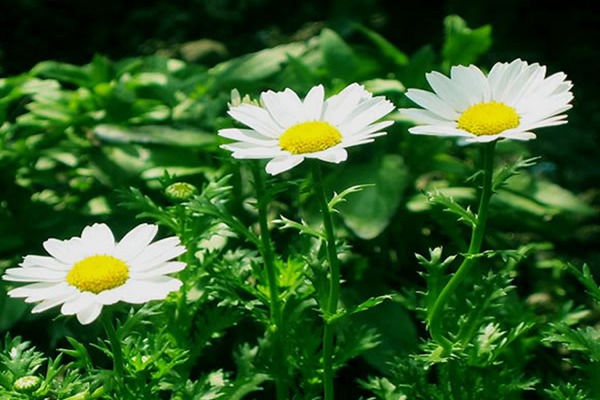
<point>437,311</point>
<point>115,345</point>
<point>334,284</point>
<point>274,302</point>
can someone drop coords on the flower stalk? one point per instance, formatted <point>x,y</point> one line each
<point>437,311</point>
<point>334,285</point>
<point>115,345</point>
<point>274,300</point>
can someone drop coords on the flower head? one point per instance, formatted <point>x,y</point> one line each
<point>88,272</point>
<point>511,101</point>
<point>286,129</point>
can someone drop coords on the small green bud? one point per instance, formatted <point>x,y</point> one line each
<point>180,191</point>
<point>27,384</point>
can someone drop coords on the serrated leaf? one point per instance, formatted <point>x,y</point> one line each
<point>302,227</point>
<point>510,170</point>
<point>450,205</point>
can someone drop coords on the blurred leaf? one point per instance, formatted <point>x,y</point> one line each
<point>11,310</point>
<point>339,58</point>
<point>542,197</point>
<point>154,134</point>
<point>63,72</point>
<point>396,329</point>
<point>368,212</point>
<point>381,86</point>
<point>256,66</point>
<point>386,48</point>
<point>462,45</point>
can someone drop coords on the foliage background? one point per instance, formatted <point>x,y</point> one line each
<point>564,38</point>
<point>208,32</point>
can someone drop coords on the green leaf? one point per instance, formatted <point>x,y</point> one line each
<point>368,212</point>
<point>463,45</point>
<point>339,58</point>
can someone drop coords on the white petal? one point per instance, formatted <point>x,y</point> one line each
<point>437,130</point>
<point>285,108</point>
<point>518,135</point>
<point>162,269</point>
<point>482,139</point>
<point>89,314</point>
<point>135,241</point>
<point>361,139</point>
<point>333,155</point>
<point>472,83</point>
<point>45,262</point>
<point>111,296</point>
<point>250,151</point>
<point>53,302</point>
<point>432,103</point>
<point>421,116</point>
<point>98,237</point>
<point>157,289</point>
<point>313,104</point>
<point>256,118</point>
<point>41,291</point>
<point>280,164</point>
<point>448,90</point>
<point>371,129</point>
<point>34,274</point>
<point>77,303</point>
<point>366,113</point>
<point>502,83</point>
<point>248,136</point>
<point>338,107</point>
<point>157,253</point>
<point>67,251</point>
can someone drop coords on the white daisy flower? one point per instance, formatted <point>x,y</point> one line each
<point>510,102</point>
<point>286,129</point>
<point>88,272</point>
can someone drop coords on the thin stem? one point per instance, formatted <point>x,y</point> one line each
<point>334,284</point>
<point>274,302</point>
<point>437,311</point>
<point>115,345</point>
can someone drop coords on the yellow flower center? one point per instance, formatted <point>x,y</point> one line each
<point>309,137</point>
<point>488,118</point>
<point>98,273</point>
